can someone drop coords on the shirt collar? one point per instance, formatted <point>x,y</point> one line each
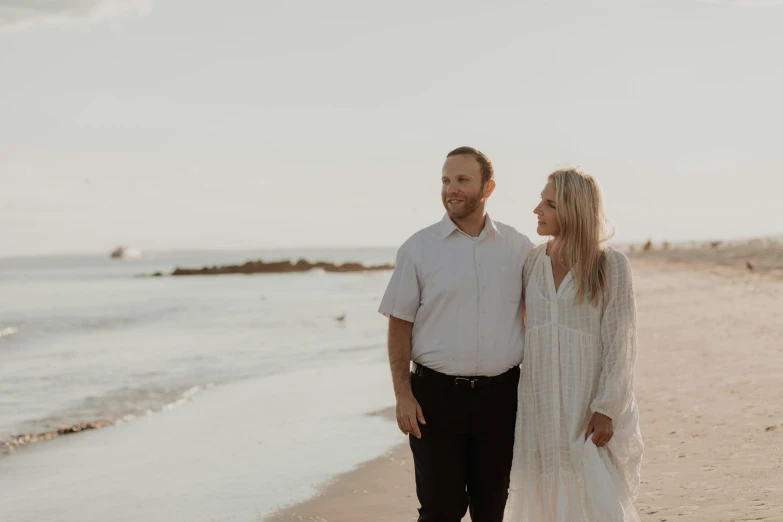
<point>490,225</point>
<point>447,226</point>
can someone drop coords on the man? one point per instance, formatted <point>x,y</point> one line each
<point>454,310</point>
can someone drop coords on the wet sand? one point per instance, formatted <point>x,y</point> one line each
<point>231,454</point>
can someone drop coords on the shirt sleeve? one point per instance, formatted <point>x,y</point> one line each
<point>403,294</point>
<point>530,261</point>
<point>618,340</point>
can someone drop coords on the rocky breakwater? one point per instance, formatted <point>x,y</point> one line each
<point>278,267</point>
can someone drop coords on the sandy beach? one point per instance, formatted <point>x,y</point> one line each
<point>710,390</point>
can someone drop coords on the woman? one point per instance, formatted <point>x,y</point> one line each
<point>578,448</point>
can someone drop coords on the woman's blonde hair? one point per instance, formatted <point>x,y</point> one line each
<point>581,244</point>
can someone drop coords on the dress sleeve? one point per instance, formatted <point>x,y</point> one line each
<point>403,294</point>
<point>618,340</point>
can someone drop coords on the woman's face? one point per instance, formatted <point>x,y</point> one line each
<point>548,225</point>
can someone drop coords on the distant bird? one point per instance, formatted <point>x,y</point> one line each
<point>340,318</point>
<point>750,265</point>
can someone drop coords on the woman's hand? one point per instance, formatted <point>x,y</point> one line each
<point>601,429</point>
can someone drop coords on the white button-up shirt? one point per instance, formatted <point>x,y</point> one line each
<point>462,295</point>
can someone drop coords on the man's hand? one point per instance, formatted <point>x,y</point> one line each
<point>409,415</point>
<point>600,428</point>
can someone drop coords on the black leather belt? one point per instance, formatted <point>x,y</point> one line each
<point>464,382</point>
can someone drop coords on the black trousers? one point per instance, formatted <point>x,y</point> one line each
<point>463,459</point>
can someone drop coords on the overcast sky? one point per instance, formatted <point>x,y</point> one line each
<point>174,124</point>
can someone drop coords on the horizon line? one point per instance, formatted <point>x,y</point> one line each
<point>184,250</point>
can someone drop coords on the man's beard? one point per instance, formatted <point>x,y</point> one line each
<point>464,209</point>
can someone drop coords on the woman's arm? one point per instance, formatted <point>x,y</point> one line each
<point>618,340</point>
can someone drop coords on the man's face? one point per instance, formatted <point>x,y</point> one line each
<point>462,191</point>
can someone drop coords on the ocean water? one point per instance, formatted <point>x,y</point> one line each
<point>82,339</point>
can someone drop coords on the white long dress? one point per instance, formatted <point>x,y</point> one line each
<point>578,359</point>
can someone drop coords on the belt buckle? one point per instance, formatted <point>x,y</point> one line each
<point>471,381</point>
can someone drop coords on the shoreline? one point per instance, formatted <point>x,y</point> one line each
<point>379,489</point>
<point>234,453</point>
<point>713,437</point>
<point>384,484</point>
<point>18,442</point>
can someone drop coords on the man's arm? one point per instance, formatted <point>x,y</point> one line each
<point>409,412</point>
